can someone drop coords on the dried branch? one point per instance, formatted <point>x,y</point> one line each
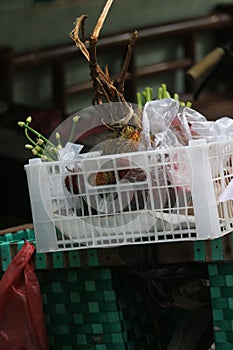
<point>104,88</point>
<point>94,71</point>
<point>83,29</point>
<point>74,34</point>
<point>101,19</point>
<point>125,67</point>
<point>102,84</point>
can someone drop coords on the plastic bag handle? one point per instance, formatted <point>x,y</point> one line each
<point>207,62</point>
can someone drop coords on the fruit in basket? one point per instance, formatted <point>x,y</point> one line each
<point>77,186</point>
<point>74,183</point>
<point>71,183</point>
<point>102,178</point>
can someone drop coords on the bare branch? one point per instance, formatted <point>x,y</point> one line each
<point>74,34</point>
<point>94,71</point>
<point>104,88</point>
<point>101,19</point>
<point>122,77</point>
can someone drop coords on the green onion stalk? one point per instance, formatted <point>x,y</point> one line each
<point>147,95</point>
<point>43,147</point>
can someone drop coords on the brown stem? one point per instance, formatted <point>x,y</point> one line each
<point>104,88</point>
<point>101,19</point>
<point>122,76</point>
<point>83,29</point>
<point>74,34</point>
<point>93,70</point>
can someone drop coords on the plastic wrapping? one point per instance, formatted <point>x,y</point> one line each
<point>22,324</point>
<point>212,131</point>
<point>167,124</point>
<point>71,151</point>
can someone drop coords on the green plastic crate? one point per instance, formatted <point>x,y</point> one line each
<point>82,310</point>
<point>221,289</point>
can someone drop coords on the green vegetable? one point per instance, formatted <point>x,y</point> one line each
<point>147,95</point>
<point>42,147</point>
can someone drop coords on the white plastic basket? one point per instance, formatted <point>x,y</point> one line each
<point>134,198</point>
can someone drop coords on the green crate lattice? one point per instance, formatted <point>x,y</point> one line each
<point>82,309</point>
<point>221,289</point>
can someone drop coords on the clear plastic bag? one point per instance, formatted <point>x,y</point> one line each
<point>168,125</point>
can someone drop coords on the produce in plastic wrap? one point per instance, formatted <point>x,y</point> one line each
<point>164,123</point>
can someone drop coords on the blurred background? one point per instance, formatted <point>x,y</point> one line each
<point>43,74</point>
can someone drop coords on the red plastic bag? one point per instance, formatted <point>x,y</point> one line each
<point>22,324</point>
